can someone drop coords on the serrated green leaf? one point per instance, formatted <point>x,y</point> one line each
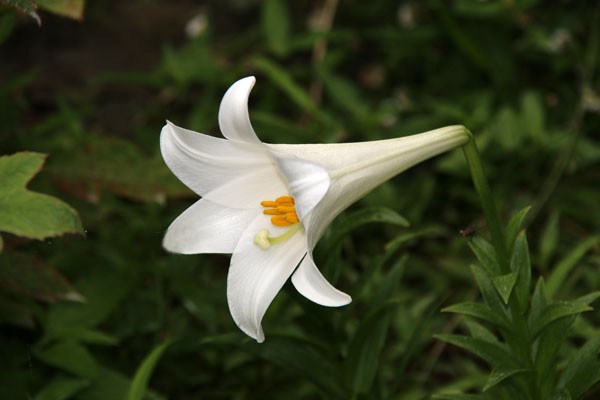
<point>118,166</point>
<point>562,269</point>
<point>494,354</point>
<point>276,25</point>
<point>139,384</point>
<point>499,375</point>
<point>582,370</point>
<point>521,265</point>
<point>66,8</point>
<point>505,284</point>
<point>62,389</point>
<point>514,225</point>
<point>70,356</point>
<point>555,311</point>
<point>485,253</point>
<point>478,310</point>
<point>30,214</point>
<point>28,275</point>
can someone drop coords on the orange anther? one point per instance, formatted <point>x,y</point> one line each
<point>292,217</point>
<point>283,200</point>
<point>278,220</point>
<point>267,203</point>
<point>286,209</point>
<point>271,211</point>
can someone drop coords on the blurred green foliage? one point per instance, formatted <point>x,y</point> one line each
<point>521,74</point>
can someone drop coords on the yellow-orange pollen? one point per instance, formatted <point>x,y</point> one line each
<point>282,210</point>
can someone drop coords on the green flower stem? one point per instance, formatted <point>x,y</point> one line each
<point>519,336</point>
<point>487,202</point>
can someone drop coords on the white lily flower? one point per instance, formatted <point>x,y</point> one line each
<point>268,204</point>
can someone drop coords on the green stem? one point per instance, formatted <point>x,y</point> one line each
<point>519,337</point>
<point>487,202</point>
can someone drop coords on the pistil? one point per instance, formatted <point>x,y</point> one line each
<point>283,214</point>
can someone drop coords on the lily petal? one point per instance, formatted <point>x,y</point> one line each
<point>256,276</point>
<point>307,182</point>
<point>215,168</point>
<point>206,227</point>
<point>309,281</point>
<point>234,119</point>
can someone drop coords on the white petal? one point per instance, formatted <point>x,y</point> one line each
<point>309,281</point>
<point>256,275</point>
<point>234,120</point>
<point>356,168</point>
<point>306,181</point>
<point>206,227</point>
<point>231,173</point>
<point>250,188</point>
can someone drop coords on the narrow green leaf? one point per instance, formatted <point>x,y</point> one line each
<point>478,310</point>
<point>549,239</point>
<point>532,115</point>
<point>555,311</point>
<point>539,300</point>
<point>479,331</point>
<point>494,354</point>
<point>70,356</point>
<point>26,213</point>
<point>459,396</point>
<point>514,225</point>
<point>276,25</point>
<point>547,346</point>
<point>562,394</point>
<point>285,82</point>
<point>364,216</point>
<point>363,353</point>
<point>499,375</point>
<point>139,385</point>
<point>582,370</point>
<point>521,265</point>
<point>488,291</point>
<point>303,360</point>
<point>505,284</point>
<point>562,269</point>
<point>62,389</point>
<point>485,253</point>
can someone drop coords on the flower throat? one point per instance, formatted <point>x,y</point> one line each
<point>283,214</point>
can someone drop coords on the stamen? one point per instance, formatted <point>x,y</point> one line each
<point>283,213</point>
<point>278,220</point>
<point>286,209</point>
<point>264,241</point>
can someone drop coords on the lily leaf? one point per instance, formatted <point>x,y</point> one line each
<point>505,284</point>
<point>142,376</point>
<point>26,213</point>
